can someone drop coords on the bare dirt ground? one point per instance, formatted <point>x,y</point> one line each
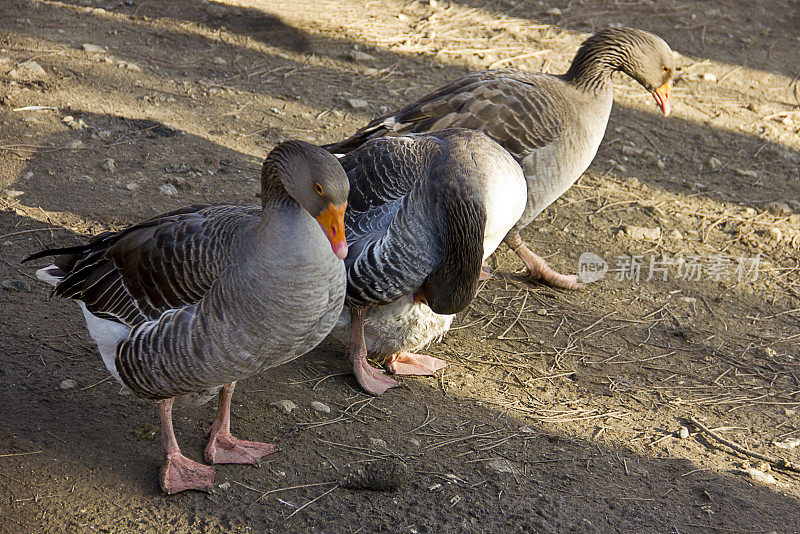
<point>559,412</point>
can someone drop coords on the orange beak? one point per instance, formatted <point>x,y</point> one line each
<point>332,222</point>
<point>662,98</point>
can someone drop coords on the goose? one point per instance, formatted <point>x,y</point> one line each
<point>425,210</point>
<point>552,125</point>
<point>186,303</point>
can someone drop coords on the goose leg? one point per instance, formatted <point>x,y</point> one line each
<point>486,272</point>
<point>222,447</point>
<point>538,268</point>
<point>410,363</point>
<point>372,380</point>
<point>179,473</point>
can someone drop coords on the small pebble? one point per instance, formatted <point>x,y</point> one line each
<point>381,475</point>
<point>357,55</point>
<point>683,432</point>
<point>220,60</point>
<point>224,486</point>
<point>713,163</point>
<point>378,442</point>
<point>788,443</point>
<point>169,189</point>
<point>14,285</point>
<point>676,234</point>
<point>501,465</point>
<point>357,103</point>
<point>554,11</point>
<point>285,405</point>
<point>105,135</point>
<point>131,186</point>
<point>710,77</point>
<point>764,478</point>
<point>74,144</point>
<point>84,179</point>
<point>789,412</point>
<point>415,442</point>
<point>28,70</point>
<point>109,165</point>
<point>68,384</point>
<point>541,311</point>
<point>639,233</point>
<point>748,174</point>
<point>320,407</point>
<point>93,48</point>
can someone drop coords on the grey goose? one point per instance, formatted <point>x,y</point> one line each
<point>203,296</point>
<point>425,210</point>
<point>552,125</point>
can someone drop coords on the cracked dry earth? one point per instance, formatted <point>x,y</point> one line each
<point>559,412</point>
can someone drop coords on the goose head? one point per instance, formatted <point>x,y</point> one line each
<point>315,180</point>
<point>648,60</point>
<point>641,55</point>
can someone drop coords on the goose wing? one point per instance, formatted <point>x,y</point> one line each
<point>520,111</point>
<point>166,262</point>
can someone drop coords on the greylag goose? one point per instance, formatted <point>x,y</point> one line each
<point>424,212</point>
<point>552,125</point>
<point>201,297</point>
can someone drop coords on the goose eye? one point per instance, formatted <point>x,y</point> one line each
<point>318,188</point>
<point>666,70</point>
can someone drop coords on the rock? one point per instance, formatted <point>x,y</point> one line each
<point>109,165</point>
<point>358,55</point>
<point>553,11</point>
<point>378,442</point>
<point>755,474</point>
<point>224,486</point>
<point>381,475</point>
<point>83,179</point>
<point>683,432</point>
<point>14,285</point>
<point>93,48</point>
<point>659,164</point>
<point>777,207</point>
<point>746,173</point>
<point>710,77</point>
<point>285,405</point>
<point>713,163</point>
<point>75,124</point>
<point>320,407</point>
<point>415,442</point>
<point>220,60</point>
<point>177,167</point>
<point>131,186</point>
<point>169,189</point>
<point>28,70</point>
<point>13,193</point>
<point>541,311</point>
<point>789,412</point>
<point>771,235</point>
<point>630,151</point>
<point>74,144</point>
<point>788,443</point>
<point>370,71</point>
<point>104,135</point>
<point>179,181</point>
<point>794,204</point>
<point>68,384</point>
<point>357,103</point>
<point>676,235</point>
<point>501,465</point>
<point>638,233</point>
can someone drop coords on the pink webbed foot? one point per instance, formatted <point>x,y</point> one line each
<point>179,473</point>
<point>222,447</point>
<point>373,380</point>
<point>410,363</point>
<point>227,449</point>
<point>486,273</point>
<point>539,270</point>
